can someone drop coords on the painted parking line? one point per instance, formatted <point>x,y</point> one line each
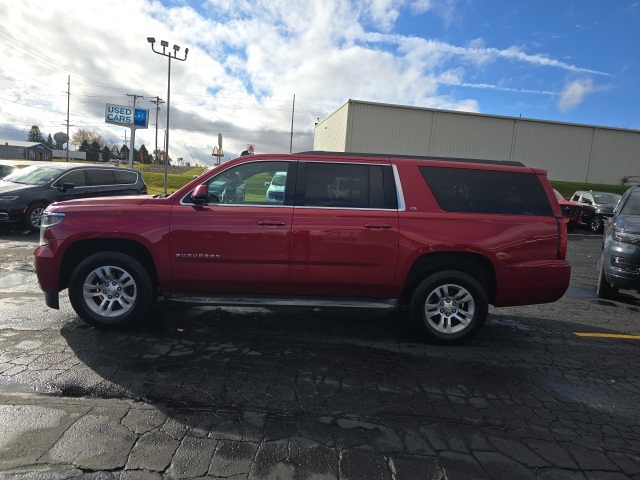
<point>607,335</point>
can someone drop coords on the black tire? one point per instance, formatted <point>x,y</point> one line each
<point>605,290</point>
<point>33,217</point>
<point>111,290</point>
<point>596,224</point>
<point>449,307</point>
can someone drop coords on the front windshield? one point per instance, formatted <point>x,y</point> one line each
<point>279,180</point>
<point>632,205</point>
<point>609,198</point>
<point>34,175</point>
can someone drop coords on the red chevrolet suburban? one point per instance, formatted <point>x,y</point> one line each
<point>443,238</point>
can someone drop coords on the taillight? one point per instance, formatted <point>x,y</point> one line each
<point>562,238</point>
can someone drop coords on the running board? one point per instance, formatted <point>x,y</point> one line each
<point>276,301</point>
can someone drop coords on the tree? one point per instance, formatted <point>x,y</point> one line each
<point>160,156</point>
<point>35,135</point>
<point>106,154</point>
<point>49,143</point>
<point>124,153</point>
<point>115,153</point>
<point>93,153</point>
<point>80,135</point>
<point>144,155</point>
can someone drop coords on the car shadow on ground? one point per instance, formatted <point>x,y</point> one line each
<point>311,369</point>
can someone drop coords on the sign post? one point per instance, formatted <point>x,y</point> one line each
<point>133,118</point>
<point>217,151</point>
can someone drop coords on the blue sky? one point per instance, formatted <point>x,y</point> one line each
<point>567,61</point>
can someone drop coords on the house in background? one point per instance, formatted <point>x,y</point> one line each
<point>16,150</point>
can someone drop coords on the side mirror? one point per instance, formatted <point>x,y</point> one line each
<point>199,195</point>
<point>66,186</point>
<point>266,184</point>
<point>588,202</point>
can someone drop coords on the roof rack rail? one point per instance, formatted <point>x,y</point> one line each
<point>413,157</point>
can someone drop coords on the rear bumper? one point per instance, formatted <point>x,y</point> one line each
<point>532,283</point>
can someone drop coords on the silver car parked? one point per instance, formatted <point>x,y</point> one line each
<point>620,260</point>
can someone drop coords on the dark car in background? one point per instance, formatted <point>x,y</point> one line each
<point>570,210</point>
<point>620,260</point>
<point>597,208</point>
<point>25,194</point>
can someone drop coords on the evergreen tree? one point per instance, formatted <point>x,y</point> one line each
<point>49,143</point>
<point>93,153</point>
<point>106,154</point>
<point>35,135</point>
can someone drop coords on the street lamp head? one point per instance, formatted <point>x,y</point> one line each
<point>151,40</point>
<point>186,52</point>
<point>176,48</point>
<point>164,43</point>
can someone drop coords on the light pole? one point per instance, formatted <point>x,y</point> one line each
<point>176,48</point>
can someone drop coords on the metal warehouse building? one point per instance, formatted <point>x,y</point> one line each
<point>569,152</point>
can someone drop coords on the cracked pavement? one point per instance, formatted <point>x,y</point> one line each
<point>209,392</point>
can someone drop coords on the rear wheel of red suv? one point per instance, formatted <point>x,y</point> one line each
<point>110,290</point>
<point>449,307</point>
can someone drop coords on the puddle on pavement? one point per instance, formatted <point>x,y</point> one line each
<point>16,278</point>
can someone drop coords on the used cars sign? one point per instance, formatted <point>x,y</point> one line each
<point>125,115</point>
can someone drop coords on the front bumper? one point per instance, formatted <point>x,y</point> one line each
<point>622,265</point>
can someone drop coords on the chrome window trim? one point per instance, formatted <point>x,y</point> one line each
<point>348,208</point>
<point>402,206</point>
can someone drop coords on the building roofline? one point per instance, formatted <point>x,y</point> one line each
<point>478,114</point>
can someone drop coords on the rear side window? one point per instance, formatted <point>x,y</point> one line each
<point>344,185</point>
<point>125,177</point>
<point>96,176</point>
<point>484,191</point>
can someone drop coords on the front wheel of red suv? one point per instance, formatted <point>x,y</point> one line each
<point>110,290</point>
<point>449,307</point>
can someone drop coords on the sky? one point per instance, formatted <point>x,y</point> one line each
<point>565,61</point>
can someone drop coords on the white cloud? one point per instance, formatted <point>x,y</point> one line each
<point>247,59</point>
<point>575,92</point>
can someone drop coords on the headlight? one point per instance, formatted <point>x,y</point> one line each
<point>51,219</point>
<point>47,221</point>
<point>8,198</point>
<point>626,237</point>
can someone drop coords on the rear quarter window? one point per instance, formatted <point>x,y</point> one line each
<point>487,191</point>
<point>124,177</point>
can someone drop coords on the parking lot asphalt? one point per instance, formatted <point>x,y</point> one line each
<point>544,391</point>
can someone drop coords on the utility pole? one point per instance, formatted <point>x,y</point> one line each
<point>293,110</point>
<point>68,105</point>
<point>133,130</point>
<point>135,98</point>
<point>157,103</point>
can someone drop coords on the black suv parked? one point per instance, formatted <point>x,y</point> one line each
<point>597,208</point>
<point>26,193</point>
<point>620,261</point>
